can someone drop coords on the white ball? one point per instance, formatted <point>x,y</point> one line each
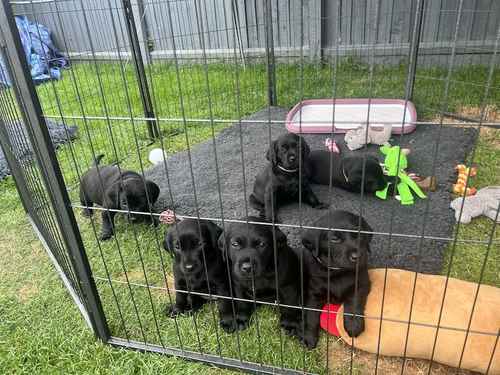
<point>157,155</point>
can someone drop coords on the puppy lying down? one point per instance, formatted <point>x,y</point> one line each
<point>346,172</point>
<point>127,191</point>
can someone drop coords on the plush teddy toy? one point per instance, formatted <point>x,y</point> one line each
<point>391,297</point>
<point>357,138</point>
<point>485,202</point>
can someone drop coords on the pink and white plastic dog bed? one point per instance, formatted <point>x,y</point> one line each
<point>317,115</point>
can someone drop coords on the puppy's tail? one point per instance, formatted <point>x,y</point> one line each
<point>98,159</point>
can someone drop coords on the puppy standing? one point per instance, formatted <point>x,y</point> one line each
<point>249,250</point>
<point>336,254</point>
<point>284,177</point>
<point>112,190</point>
<point>194,246</point>
<point>346,173</point>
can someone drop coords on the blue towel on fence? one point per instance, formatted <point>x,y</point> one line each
<point>44,59</point>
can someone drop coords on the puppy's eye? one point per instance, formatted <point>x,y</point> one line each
<point>235,244</point>
<point>261,244</point>
<point>201,243</point>
<point>177,245</point>
<point>335,239</point>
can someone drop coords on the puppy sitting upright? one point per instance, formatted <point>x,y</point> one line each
<point>336,254</point>
<point>346,173</point>
<point>249,250</point>
<point>283,178</point>
<point>108,188</point>
<point>194,246</point>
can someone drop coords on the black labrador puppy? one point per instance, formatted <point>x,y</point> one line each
<point>336,254</point>
<point>279,182</point>
<point>107,187</point>
<point>249,250</point>
<point>198,267</point>
<point>347,172</point>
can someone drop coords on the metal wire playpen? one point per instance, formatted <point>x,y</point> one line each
<point>206,81</point>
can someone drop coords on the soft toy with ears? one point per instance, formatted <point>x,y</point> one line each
<point>481,352</point>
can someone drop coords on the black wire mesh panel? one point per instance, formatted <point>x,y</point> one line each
<point>192,68</point>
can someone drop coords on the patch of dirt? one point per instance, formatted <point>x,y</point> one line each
<point>158,289</point>
<point>27,292</point>
<point>491,114</point>
<point>339,355</point>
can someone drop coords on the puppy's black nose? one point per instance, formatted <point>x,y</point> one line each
<point>188,267</point>
<point>354,256</point>
<point>246,267</point>
<point>291,158</point>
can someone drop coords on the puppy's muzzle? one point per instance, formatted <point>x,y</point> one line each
<point>246,268</point>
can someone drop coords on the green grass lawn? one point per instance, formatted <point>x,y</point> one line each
<point>41,329</point>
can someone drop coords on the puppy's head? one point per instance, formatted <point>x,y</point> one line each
<point>284,151</point>
<point>188,240</point>
<point>374,178</point>
<point>339,249</point>
<point>133,194</point>
<point>250,248</point>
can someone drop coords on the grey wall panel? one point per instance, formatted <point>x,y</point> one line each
<point>299,26</point>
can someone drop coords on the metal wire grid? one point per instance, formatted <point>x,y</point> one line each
<point>135,332</point>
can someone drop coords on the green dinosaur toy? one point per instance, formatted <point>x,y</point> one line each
<point>405,184</point>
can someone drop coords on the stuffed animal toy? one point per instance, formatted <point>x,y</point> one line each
<point>485,202</point>
<point>463,174</point>
<point>357,138</point>
<point>395,164</point>
<point>480,353</point>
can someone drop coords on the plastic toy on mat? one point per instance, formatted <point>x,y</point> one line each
<point>395,164</point>
<point>463,174</point>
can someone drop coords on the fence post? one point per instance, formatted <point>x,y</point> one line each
<point>271,71</point>
<point>138,59</point>
<point>414,45</point>
<point>44,151</point>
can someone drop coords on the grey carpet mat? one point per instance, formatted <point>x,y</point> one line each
<point>19,138</point>
<point>401,252</point>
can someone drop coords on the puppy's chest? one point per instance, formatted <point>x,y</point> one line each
<point>293,185</point>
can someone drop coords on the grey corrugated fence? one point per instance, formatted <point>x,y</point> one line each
<point>310,28</point>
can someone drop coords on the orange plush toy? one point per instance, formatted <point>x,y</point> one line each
<point>481,352</point>
<point>463,173</point>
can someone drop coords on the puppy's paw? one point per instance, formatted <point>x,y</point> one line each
<point>309,341</point>
<point>354,326</point>
<point>321,206</point>
<point>173,310</point>
<point>106,236</point>
<point>228,324</point>
<point>290,328</point>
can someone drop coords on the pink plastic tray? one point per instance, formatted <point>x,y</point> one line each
<point>316,115</point>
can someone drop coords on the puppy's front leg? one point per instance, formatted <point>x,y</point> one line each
<point>270,206</point>
<point>310,198</point>
<point>181,304</point>
<point>309,331</point>
<point>354,308</point>
<point>108,225</point>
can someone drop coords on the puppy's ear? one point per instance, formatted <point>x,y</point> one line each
<point>168,243</point>
<point>366,237</point>
<point>272,153</point>
<point>310,242</point>
<point>112,196</point>
<point>153,191</point>
<point>304,147</point>
<point>214,232</point>
<point>221,244</point>
<point>281,240</point>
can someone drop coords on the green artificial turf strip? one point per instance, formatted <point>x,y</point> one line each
<point>34,336</point>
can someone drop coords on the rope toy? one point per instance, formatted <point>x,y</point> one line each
<point>332,146</point>
<point>463,174</point>
<point>167,217</point>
